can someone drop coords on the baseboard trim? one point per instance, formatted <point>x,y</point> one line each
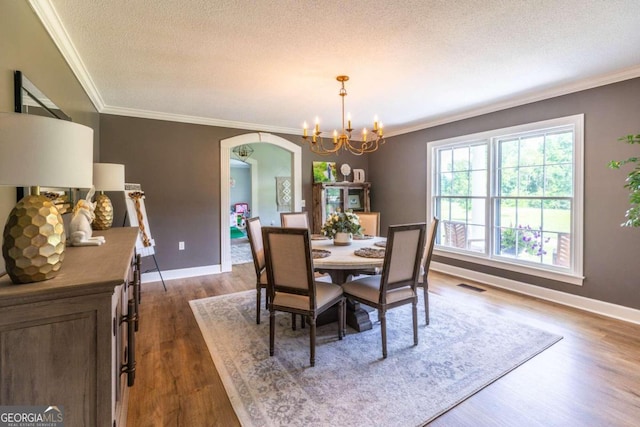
<point>180,273</point>
<point>591,305</point>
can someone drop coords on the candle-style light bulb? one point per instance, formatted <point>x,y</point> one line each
<point>348,120</point>
<point>335,136</point>
<point>375,123</point>
<point>317,124</point>
<point>304,129</point>
<point>364,135</point>
<point>380,129</point>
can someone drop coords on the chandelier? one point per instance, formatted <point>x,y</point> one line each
<point>368,143</point>
<point>242,152</point>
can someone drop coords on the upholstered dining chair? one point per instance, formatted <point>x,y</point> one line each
<point>254,233</point>
<point>294,219</point>
<point>369,222</point>
<point>291,284</point>
<point>396,285</point>
<point>426,262</point>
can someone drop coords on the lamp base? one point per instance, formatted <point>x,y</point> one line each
<point>34,240</point>
<point>103,213</point>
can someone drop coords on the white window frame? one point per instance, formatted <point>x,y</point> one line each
<point>577,228</point>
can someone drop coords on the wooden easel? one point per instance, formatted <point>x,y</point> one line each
<point>136,215</point>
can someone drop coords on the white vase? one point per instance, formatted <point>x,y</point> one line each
<point>342,239</point>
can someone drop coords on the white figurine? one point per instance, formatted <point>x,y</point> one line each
<point>80,227</point>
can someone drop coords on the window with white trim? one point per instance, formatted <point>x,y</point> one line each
<point>513,197</point>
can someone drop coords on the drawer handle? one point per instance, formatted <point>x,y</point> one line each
<point>136,297</point>
<point>129,367</point>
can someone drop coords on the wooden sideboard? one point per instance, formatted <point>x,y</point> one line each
<point>70,341</point>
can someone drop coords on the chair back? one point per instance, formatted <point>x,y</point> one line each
<point>403,254</point>
<point>254,233</point>
<point>428,249</point>
<point>370,223</point>
<point>295,219</point>
<point>288,262</point>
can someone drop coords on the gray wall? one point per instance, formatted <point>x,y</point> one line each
<point>398,173</point>
<point>26,46</point>
<point>178,165</point>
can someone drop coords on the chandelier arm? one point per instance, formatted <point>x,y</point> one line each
<point>319,147</point>
<point>358,151</point>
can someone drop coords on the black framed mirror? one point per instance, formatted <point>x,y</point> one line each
<point>30,100</point>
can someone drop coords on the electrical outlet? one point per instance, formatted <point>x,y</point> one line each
<point>181,246</point>
<point>303,204</point>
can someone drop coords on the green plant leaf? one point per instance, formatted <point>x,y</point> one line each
<point>632,182</point>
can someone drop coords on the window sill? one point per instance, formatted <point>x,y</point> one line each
<point>560,276</point>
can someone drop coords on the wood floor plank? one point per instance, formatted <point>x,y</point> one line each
<point>590,378</point>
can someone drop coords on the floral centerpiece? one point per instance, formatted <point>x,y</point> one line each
<point>339,224</point>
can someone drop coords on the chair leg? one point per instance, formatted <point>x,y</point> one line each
<point>340,319</point>
<point>312,340</point>
<point>425,287</point>
<point>303,321</point>
<point>383,328</point>
<point>344,319</point>
<point>272,330</point>
<point>258,296</point>
<point>414,309</point>
<point>293,321</point>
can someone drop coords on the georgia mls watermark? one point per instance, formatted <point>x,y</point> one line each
<point>31,416</point>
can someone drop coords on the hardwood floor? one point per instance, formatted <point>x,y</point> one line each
<point>590,378</point>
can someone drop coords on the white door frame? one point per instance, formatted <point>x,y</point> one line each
<point>226,145</point>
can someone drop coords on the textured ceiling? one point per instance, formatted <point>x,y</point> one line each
<point>270,65</point>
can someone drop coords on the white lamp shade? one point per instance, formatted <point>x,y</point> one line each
<point>41,151</point>
<point>108,177</point>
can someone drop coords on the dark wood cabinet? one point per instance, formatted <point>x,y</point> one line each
<point>328,197</point>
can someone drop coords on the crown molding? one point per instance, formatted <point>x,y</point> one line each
<point>52,23</point>
<point>156,115</point>
<point>577,86</point>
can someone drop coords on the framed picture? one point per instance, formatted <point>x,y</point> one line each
<point>354,202</point>
<point>324,172</point>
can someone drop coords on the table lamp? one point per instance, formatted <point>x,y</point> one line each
<point>106,177</point>
<point>40,151</point>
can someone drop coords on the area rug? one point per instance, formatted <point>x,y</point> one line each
<point>463,350</point>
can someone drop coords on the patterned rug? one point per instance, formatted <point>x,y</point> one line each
<point>463,350</point>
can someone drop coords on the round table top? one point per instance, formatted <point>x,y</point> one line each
<point>343,257</point>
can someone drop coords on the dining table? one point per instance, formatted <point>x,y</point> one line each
<point>342,263</point>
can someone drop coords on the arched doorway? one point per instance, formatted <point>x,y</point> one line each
<point>226,145</point>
